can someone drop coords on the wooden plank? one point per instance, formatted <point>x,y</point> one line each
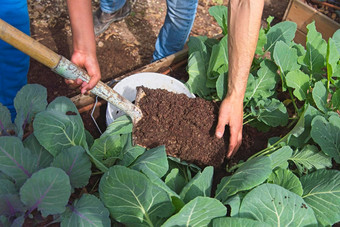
<point>303,14</point>
<point>288,10</point>
<point>300,37</point>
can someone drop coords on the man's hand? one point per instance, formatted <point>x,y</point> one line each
<point>84,45</point>
<point>231,113</point>
<point>89,63</point>
<point>244,20</point>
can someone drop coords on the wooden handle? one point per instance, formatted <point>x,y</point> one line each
<point>29,46</point>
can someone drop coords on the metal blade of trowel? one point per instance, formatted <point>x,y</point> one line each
<point>65,68</point>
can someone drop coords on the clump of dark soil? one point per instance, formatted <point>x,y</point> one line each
<point>186,126</point>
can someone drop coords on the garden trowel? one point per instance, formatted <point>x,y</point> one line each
<point>66,68</point>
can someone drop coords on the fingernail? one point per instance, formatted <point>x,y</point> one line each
<point>218,134</point>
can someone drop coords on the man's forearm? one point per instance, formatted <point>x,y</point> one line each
<point>243,30</point>
<point>80,12</point>
<point>84,45</point>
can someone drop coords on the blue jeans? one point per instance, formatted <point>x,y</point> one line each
<point>111,6</point>
<point>14,64</point>
<point>176,28</point>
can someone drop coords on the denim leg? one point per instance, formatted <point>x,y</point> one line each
<point>111,6</point>
<point>14,64</point>
<point>176,28</point>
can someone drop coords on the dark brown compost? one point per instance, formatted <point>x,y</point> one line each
<point>184,125</point>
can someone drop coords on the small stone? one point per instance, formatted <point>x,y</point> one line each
<point>100,44</point>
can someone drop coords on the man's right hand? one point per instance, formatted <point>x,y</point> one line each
<point>90,63</point>
<point>231,113</point>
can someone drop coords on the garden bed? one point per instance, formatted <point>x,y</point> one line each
<point>290,114</point>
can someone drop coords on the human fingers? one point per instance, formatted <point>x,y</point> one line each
<point>77,60</point>
<point>235,140</point>
<point>220,128</point>
<point>72,84</point>
<point>223,119</point>
<point>85,87</point>
<point>90,64</point>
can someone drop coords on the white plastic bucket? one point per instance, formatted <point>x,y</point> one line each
<point>127,88</point>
